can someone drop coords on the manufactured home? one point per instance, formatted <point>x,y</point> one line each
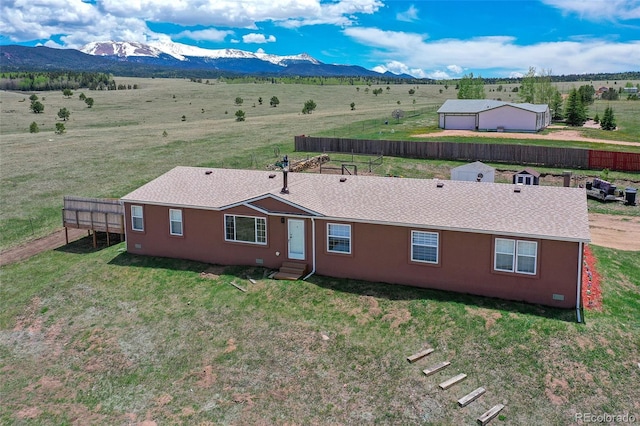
<point>496,240</point>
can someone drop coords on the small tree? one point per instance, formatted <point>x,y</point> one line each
<point>260,100</point>
<point>60,128</point>
<point>309,106</point>
<point>274,101</point>
<point>89,102</point>
<point>82,97</point>
<point>412,92</point>
<point>33,97</point>
<point>239,100</point>
<point>239,115</point>
<point>397,114</point>
<point>575,114</point>
<point>64,114</point>
<point>596,119</point>
<point>556,105</point>
<point>608,120</point>
<point>33,128</point>
<point>353,106</point>
<point>37,107</point>
<point>67,93</point>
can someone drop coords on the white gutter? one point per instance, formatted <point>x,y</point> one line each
<point>579,291</point>
<point>313,248</point>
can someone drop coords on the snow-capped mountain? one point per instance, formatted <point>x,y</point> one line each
<point>165,58</point>
<point>183,52</point>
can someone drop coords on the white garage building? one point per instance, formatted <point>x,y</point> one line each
<point>493,116</point>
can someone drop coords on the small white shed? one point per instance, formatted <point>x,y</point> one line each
<point>474,172</point>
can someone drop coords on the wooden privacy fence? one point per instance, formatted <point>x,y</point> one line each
<point>576,158</point>
<point>93,214</point>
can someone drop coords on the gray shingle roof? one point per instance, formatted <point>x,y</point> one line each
<point>473,106</point>
<point>536,211</point>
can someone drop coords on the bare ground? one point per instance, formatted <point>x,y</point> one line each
<point>565,135</point>
<point>618,232</point>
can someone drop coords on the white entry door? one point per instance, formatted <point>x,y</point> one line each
<point>296,239</point>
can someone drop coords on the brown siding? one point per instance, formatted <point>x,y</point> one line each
<point>382,253</point>
<point>203,238</point>
<point>273,205</point>
<point>378,253</point>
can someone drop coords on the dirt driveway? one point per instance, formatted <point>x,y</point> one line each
<point>618,232</point>
<point>565,134</point>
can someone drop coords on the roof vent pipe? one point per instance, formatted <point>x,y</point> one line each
<point>285,171</point>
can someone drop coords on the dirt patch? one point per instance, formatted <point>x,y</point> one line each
<point>28,413</point>
<point>31,248</point>
<point>207,377</point>
<point>555,388</point>
<point>212,272</point>
<point>618,232</point>
<point>563,135</point>
<point>489,315</point>
<point>397,317</point>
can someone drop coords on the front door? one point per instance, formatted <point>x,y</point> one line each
<point>296,239</point>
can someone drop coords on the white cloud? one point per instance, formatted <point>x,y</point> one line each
<point>399,68</point>
<point>455,69</point>
<point>210,34</point>
<point>499,52</point>
<point>78,23</point>
<point>409,15</point>
<point>258,38</point>
<point>598,10</point>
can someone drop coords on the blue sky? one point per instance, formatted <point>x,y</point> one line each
<point>436,39</point>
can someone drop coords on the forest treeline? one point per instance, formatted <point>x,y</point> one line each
<point>56,80</point>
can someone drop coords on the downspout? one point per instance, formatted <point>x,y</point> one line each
<point>579,286</point>
<point>313,249</point>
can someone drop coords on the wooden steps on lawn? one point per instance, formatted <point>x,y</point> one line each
<point>435,368</point>
<point>452,381</point>
<point>490,414</point>
<point>419,355</point>
<point>291,271</point>
<point>471,396</point>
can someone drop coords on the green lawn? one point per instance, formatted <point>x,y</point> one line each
<point>105,337</point>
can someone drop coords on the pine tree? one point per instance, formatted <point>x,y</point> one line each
<point>608,120</point>
<point>575,113</point>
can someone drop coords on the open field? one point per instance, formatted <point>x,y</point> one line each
<point>104,337</point>
<point>118,144</point>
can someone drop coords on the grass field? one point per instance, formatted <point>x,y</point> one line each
<point>104,337</point>
<point>118,144</point>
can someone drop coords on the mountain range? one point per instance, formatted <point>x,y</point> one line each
<point>173,59</point>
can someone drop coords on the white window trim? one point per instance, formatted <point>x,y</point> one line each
<point>339,236</point>
<point>171,221</point>
<point>133,217</point>
<point>514,256</point>
<point>535,257</point>
<point>437,247</point>
<point>255,229</point>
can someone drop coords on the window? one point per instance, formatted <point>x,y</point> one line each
<point>245,229</point>
<point>516,256</point>
<point>137,222</point>
<point>524,179</point>
<point>175,222</point>
<point>338,238</point>
<point>424,246</point>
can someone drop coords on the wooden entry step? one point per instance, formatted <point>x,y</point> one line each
<point>291,271</point>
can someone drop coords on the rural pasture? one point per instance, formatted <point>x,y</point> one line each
<point>105,337</point>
